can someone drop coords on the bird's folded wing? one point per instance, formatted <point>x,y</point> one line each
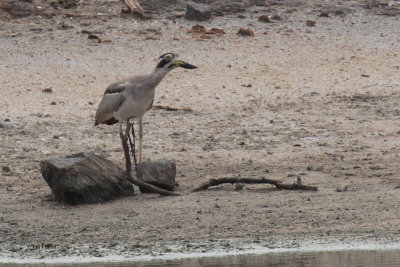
<point>112,100</point>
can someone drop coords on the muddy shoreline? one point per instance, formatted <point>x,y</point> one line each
<point>187,250</point>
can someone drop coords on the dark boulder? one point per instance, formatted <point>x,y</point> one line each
<point>159,173</point>
<point>84,178</point>
<point>17,9</point>
<point>197,11</point>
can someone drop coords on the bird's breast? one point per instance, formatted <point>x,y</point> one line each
<point>134,107</point>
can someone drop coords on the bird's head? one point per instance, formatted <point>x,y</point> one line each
<point>170,61</point>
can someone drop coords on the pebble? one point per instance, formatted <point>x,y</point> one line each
<point>245,32</point>
<point>323,14</point>
<point>310,23</point>
<point>5,169</point>
<point>264,18</point>
<point>276,17</point>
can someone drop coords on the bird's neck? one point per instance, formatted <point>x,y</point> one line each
<point>158,74</point>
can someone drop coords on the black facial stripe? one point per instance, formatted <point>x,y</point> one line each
<point>163,55</point>
<point>162,63</point>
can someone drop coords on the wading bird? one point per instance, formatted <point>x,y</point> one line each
<point>132,97</point>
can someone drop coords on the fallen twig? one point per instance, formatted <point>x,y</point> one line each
<point>232,180</point>
<point>168,108</point>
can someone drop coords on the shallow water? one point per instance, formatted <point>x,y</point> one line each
<point>354,258</point>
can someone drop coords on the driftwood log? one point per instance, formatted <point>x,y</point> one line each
<point>233,180</point>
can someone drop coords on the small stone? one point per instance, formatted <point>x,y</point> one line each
<point>94,38</point>
<point>239,187</point>
<point>197,29</point>
<point>310,23</point>
<point>64,26</point>
<point>323,14</point>
<point>68,4</point>
<point>264,18</point>
<point>5,169</point>
<point>53,103</point>
<point>36,30</point>
<point>152,38</point>
<point>339,12</point>
<point>159,173</point>
<point>245,32</point>
<point>276,17</point>
<point>197,11</point>
<point>216,31</point>
<point>177,15</point>
<point>342,188</point>
<point>205,36</point>
<point>319,169</point>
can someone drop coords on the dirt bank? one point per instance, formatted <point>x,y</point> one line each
<point>316,102</point>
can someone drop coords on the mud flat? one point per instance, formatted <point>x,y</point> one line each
<point>316,102</point>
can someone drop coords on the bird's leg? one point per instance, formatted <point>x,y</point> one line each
<point>140,139</point>
<point>124,141</point>
<point>120,127</point>
<point>133,144</point>
<point>128,136</point>
<point>128,128</point>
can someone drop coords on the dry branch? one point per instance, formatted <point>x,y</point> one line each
<point>168,108</point>
<point>232,180</point>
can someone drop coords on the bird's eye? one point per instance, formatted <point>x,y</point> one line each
<point>168,58</point>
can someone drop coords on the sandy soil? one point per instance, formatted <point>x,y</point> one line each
<point>316,102</point>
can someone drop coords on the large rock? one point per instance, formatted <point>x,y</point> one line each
<point>84,178</point>
<point>196,11</point>
<point>159,173</point>
<point>17,9</point>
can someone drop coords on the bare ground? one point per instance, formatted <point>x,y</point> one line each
<point>316,102</point>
